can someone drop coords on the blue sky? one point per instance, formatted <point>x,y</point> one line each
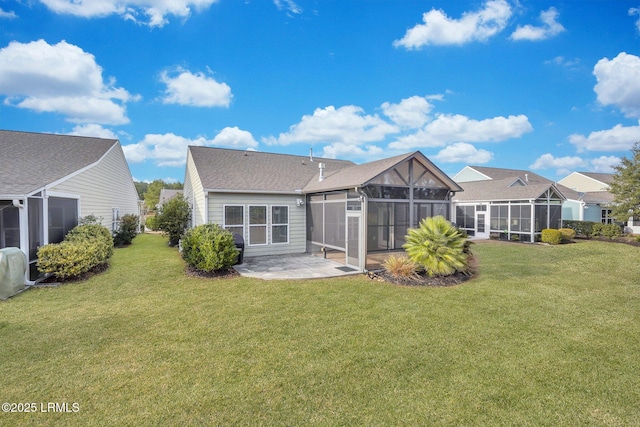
<point>549,86</point>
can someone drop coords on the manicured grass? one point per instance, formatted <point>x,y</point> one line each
<point>545,336</point>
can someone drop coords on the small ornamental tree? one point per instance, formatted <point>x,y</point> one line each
<point>626,187</point>
<point>437,246</point>
<point>174,218</point>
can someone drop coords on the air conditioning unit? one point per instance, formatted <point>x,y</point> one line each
<point>13,266</point>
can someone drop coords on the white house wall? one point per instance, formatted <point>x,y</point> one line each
<point>297,220</point>
<point>105,186</point>
<point>578,182</point>
<point>194,193</point>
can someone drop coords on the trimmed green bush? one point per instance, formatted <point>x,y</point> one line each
<point>127,231</point>
<point>437,246</point>
<point>152,223</point>
<point>568,234</point>
<point>606,230</point>
<point>582,228</point>
<point>84,247</point>
<point>209,248</point>
<point>551,236</point>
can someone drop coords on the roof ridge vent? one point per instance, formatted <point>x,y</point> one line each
<point>321,166</point>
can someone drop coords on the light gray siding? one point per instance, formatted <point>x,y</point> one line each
<point>194,193</point>
<point>468,174</point>
<point>102,187</point>
<point>297,220</point>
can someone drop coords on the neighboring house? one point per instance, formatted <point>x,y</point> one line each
<point>48,181</point>
<point>511,203</point>
<point>284,204</point>
<point>593,200</point>
<point>166,195</point>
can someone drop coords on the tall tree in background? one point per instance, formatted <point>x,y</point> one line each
<point>152,193</point>
<point>626,187</point>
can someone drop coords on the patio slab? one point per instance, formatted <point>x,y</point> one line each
<point>294,266</point>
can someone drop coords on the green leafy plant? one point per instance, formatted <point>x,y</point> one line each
<point>400,266</point>
<point>606,230</point>
<point>151,223</point>
<point>551,236</point>
<point>437,246</point>
<point>127,231</point>
<point>209,248</point>
<point>582,228</point>
<point>568,234</point>
<point>83,248</point>
<point>174,218</point>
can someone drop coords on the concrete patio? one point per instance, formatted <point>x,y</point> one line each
<point>295,266</point>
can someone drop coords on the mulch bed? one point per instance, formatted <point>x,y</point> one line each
<point>422,279</point>
<point>220,274</point>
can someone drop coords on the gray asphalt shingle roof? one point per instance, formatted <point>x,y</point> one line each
<point>607,178</point>
<point>252,171</point>
<point>29,161</point>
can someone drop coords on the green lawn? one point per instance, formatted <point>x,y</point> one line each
<point>545,336</point>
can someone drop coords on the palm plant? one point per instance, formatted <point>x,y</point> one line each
<point>437,246</point>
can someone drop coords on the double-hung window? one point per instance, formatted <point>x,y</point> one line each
<point>279,224</point>
<point>257,225</point>
<point>234,219</point>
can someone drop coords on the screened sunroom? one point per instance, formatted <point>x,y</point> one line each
<point>516,219</point>
<point>365,211</point>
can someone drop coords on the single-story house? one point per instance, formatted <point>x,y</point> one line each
<point>48,181</point>
<point>593,202</point>
<point>166,194</point>
<point>509,203</point>
<point>286,204</point>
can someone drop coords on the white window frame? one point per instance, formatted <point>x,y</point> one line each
<point>224,218</point>
<point>265,225</point>
<point>273,224</point>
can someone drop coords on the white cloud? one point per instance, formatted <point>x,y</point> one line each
<point>635,11</point>
<point>619,83</point>
<point>439,29</point>
<point>604,164</point>
<point>288,5</point>
<point>60,78</point>
<point>171,150</point>
<point>341,150</point>
<point>196,90</point>
<point>563,165</point>
<point>447,129</point>
<point>348,125</point>
<point>411,112</point>
<point>461,152</point>
<point>233,137</point>
<point>154,12</point>
<point>7,15</point>
<point>93,130</point>
<point>551,28</point>
<point>618,138</point>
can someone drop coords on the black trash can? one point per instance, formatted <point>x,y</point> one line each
<point>239,241</point>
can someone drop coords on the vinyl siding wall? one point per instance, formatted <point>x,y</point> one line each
<point>580,182</point>
<point>297,220</point>
<point>105,186</point>
<point>194,193</point>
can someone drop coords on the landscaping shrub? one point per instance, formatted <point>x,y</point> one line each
<point>151,223</point>
<point>437,246</point>
<point>582,228</point>
<point>174,218</point>
<point>127,231</point>
<point>209,248</point>
<point>83,248</point>
<point>400,266</point>
<point>606,230</point>
<point>551,236</point>
<point>568,234</point>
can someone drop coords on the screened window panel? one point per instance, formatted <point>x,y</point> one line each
<point>280,234</point>
<point>392,177</point>
<point>335,220</point>
<point>9,225</point>
<point>315,222</point>
<point>279,224</point>
<point>36,233</point>
<point>63,216</point>
<point>233,215</point>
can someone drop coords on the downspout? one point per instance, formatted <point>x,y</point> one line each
<point>23,221</point>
